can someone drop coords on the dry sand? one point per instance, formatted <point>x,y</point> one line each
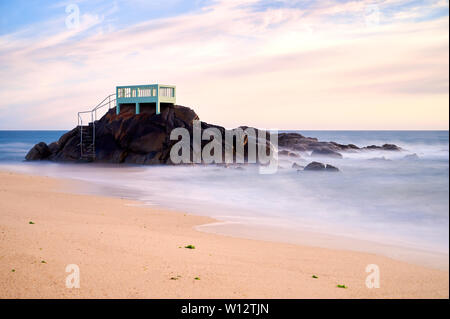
<point>126,251</point>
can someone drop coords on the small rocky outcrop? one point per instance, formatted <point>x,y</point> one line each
<point>411,157</point>
<point>300,143</point>
<point>384,147</point>
<point>317,166</point>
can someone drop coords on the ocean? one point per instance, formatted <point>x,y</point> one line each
<point>380,197</point>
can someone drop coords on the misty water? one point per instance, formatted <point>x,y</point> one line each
<point>379,196</point>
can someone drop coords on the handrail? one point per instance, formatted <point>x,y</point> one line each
<point>93,119</point>
<point>101,104</point>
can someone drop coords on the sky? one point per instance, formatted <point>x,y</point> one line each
<point>285,64</point>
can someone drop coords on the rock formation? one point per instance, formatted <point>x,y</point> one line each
<point>145,139</point>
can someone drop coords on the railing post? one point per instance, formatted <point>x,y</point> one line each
<point>93,139</point>
<point>81,135</point>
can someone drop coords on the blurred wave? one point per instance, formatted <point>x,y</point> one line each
<point>388,197</point>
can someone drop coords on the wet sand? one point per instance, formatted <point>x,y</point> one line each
<point>127,251</point>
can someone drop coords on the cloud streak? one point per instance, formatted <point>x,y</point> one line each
<point>316,65</point>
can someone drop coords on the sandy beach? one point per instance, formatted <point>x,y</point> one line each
<point>127,251</point>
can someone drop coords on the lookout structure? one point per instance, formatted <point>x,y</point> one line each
<point>142,95</point>
<point>150,97</point>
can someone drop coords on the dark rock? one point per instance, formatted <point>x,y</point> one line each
<point>315,166</point>
<point>153,158</point>
<point>150,142</point>
<point>325,152</point>
<point>39,151</point>
<point>287,153</point>
<point>70,152</point>
<point>384,147</point>
<point>131,138</point>
<point>54,147</point>
<point>331,168</point>
<point>65,137</point>
<point>298,142</point>
<point>300,148</point>
<point>133,158</point>
<point>185,114</point>
<point>391,147</point>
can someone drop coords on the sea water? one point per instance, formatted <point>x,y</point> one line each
<point>384,198</point>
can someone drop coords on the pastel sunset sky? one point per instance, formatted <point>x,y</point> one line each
<point>285,64</point>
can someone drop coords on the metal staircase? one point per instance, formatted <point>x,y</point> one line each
<point>87,132</point>
<point>87,143</point>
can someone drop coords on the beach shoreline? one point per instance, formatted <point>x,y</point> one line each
<point>303,237</point>
<point>125,250</point>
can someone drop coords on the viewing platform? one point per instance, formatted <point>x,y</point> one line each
<point>145,97</point>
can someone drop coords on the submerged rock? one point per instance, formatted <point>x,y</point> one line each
<point>413,157</point>
<point>315,166</point>
<point>379,159</point>
<point>331,168</point>
<point>326,152</point>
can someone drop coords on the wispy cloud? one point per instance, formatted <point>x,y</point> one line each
<point>276,64</point>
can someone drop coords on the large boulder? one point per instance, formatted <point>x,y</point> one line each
<point>39,152</point>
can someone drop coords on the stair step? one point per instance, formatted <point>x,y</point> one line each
<point>87,137</point>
